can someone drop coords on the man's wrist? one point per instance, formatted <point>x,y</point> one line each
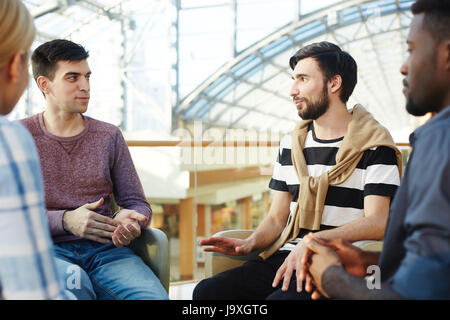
<point>251,242</point>
<point>114,215</point>
<point>330,278</point>
<point>65,228</point>
<point>369,258</point>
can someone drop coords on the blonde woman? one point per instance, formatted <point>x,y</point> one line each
<point>27,267</point>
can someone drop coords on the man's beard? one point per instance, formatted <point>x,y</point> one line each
<point>413,108</point>
<point>420,109</point>
<point>317,108</point>
<point>428,97</point>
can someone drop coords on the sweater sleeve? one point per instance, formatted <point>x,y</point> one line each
<point>55,222</point>
<point>339,284</point>
<point>127,187</point>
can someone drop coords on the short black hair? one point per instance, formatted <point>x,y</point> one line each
<point>332,61</point>
<point>437,17</point>
<point>47,55</point>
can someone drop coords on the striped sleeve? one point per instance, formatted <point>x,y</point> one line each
<point>279,180</point>
<point>27,266</point>
<point>381,176</point>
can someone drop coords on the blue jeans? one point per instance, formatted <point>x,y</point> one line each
<point>102,271</point>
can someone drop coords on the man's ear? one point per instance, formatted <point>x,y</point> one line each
<point>42,83</point>
<point>447,55</point>
<point>442,56</point>
<point>15,66</point>
<point>335,83</point>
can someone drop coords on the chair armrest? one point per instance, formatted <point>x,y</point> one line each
<point>369,245</point>
<point>153,248</point>
<point>218,262</point>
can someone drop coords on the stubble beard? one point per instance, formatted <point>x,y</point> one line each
<point>315,109</point>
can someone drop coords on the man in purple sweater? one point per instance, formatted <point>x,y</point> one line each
<point>84,161</point>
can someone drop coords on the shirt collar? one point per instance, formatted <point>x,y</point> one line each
<point>445,113</point>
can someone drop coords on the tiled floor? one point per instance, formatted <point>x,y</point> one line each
<point>182,290</point>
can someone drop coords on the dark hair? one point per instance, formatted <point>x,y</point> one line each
<point>47,55</point>
<point>437,17</point>
<point>332,61</point>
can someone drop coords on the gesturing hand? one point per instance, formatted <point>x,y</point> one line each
<point>229,246</point>
<point>129,228</point>
<point>85,223</point>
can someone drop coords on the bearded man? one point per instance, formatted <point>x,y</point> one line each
<point>335,175</point>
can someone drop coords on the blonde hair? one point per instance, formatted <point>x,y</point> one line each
<point>17,30</point>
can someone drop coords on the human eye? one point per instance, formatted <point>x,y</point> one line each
<point>409,47</point>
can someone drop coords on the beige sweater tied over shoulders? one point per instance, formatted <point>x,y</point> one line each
<point>363,133</point>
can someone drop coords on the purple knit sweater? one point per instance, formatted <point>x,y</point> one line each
<point>81,169</point>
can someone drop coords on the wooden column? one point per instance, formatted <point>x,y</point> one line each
<point>186,233</point>
<point>208,221</point>
<point>248,216</point>
<point>201,226</point>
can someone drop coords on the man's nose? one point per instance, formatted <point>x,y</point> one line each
<point>84,84</point>
<point>404,69</point>
<point>294,90</point>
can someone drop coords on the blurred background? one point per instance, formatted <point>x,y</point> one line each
<point>166,71</point>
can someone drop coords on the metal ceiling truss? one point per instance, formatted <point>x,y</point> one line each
<point>112,12</point>
<point>328,21</point>
<point>58,6</point>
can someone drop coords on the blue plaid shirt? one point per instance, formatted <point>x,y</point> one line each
<point>27,266</point>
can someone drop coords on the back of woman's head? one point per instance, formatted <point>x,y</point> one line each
<point>17,29</point>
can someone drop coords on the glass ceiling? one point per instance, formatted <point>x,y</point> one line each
<point>251,91</point>
<point>158,64</point>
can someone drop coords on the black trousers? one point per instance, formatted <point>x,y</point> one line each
<point>251,281</point>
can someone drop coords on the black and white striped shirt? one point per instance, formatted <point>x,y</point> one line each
<point>375,174</point>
